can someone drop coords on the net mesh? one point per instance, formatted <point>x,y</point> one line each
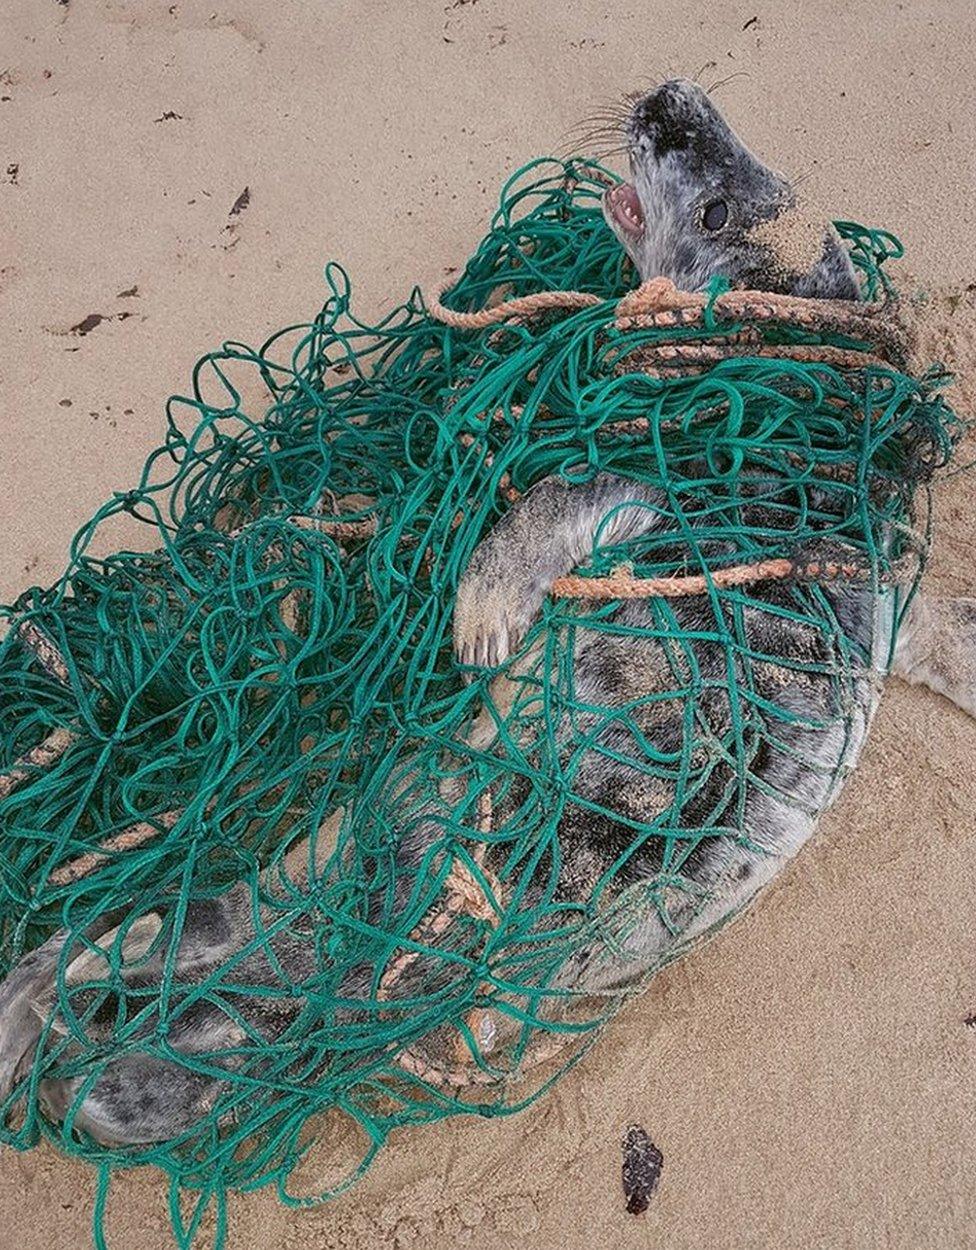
<point>257,735</point>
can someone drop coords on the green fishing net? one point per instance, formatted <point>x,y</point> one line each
<point>264,706</point>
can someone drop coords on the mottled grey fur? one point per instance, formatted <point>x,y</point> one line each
<point>683,157</point>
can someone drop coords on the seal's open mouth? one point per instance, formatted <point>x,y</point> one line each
<point>624,206</point>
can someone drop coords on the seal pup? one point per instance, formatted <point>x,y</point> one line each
<point>699,204</point>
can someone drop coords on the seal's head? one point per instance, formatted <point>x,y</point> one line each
<point>701,204</point>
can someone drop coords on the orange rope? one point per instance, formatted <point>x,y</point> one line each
<point>658,302</point>
<point>660,296</point>
<point>621,584</point>
<point>135,835</point>
<point>42,756</point>
<point>671,358</point>
<point>522,306</point>
<point>45,651</point>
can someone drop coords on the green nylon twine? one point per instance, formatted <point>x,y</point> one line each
<point>283,651</point>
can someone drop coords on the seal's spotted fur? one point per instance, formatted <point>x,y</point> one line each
<point>685,162</point>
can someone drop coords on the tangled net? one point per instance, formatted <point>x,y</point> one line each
<point>269,702</point>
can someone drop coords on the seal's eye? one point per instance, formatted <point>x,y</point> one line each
<point>715,215</point>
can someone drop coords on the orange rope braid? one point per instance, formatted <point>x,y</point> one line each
<point>621,584</point>
<point>523,306</point>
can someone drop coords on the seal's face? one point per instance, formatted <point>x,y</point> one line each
<point>701,204</point>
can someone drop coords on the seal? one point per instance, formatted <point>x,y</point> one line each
<point>699,204</point>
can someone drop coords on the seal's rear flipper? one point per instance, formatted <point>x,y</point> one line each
<point>20,1028</point>
<point>937,648</point>
<point>94,963</point>
<point>27,983</point>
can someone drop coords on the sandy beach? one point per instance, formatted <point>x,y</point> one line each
<point>809,1076</point>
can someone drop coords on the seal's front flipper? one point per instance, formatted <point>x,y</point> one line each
<point>937,648</point>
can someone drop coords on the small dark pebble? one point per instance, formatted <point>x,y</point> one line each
<point>169,116</point>
<point>128,293</point>
<point>751,22</point>
<point>65,403</point>
<point>643,1163</point>
<point>95,319</point>
<point>241,202</point>
<point>88,324</point>
<point>970,1021</point>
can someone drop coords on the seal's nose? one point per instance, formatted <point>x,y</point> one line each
<point>661,104</point>
<point>666,116</point>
